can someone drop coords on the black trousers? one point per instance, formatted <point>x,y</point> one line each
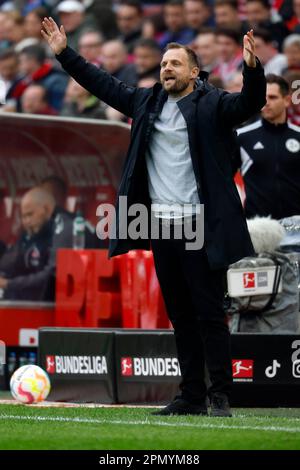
<point>193,295</point>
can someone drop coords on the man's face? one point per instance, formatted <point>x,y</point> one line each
<point>71,20</point>
<point>128,19</point>
<point>296,7</point>
<point>113,57</point>
<point>90,46</point>
<point>276,103</point>
<point>33,100</point>
<point>146,59</point>
<point>227,48</point>
<point>32,25</point>
<point>256,13</point>
<point>196,13</point>
<point>225,15</point>
<point>262,50</point>
<point>206,48</point>
<point>292,53</point>
<point>174,17</point>
<point>9,68</point>
<point>33,215</point>
<point>27,65</point>
<point>176,74</point>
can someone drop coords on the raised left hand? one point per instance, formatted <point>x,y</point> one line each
<point>249,49</point>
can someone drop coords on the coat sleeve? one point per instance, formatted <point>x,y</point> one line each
<point>98,82</point>
<point>236,108</point>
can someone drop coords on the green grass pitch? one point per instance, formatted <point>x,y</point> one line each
<point>30,427</point>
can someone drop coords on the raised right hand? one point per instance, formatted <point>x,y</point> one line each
<point>55,36</point>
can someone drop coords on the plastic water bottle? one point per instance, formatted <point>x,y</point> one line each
<point>32,358</point>
<point>78,232</point>
<point>11,363</point>
<point>23,359</point>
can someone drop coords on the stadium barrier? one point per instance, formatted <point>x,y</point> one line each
<point>136,366</point>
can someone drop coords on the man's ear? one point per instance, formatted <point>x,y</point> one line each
<point>195,72</point>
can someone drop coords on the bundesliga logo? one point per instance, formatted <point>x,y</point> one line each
<point>150,366</point>
<point>93,365</point>
<point>249,280</point>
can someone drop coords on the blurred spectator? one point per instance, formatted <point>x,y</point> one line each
<point>36,70</point>
<point>296,7</point>
<point>177,31</point>
<point>205,46</point>
<point>2,248</point>
<point>72,15</point>
<point>102,13</point>
<point>259,14</point>
<point>90,46</point>
<point>4,42</point>
<point>198,14</point>
<point>216,81</point>
<point>79,102</point>
<point>235,84</point>
<point>34,101</point>
<point>114,61</point>
<point>269,157</point>
<point>33,21</point>
<point>147,56</point>
<point>291,49</point>
<point>129,21</point>
<point>153,27</point>
<point>230,54</point>
<point>293,79</point>
<point>271,59</point>
<point>9,73</point>
<point>14,26</point>
<point>227,16</point>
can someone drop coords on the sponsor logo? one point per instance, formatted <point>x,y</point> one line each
<point>271,371</point>
<point>50,364</point>
<point>249,280</point>
<point>92,365</point>
<point>242,370</point>
<point>150,367</point>
<point>126,366</point>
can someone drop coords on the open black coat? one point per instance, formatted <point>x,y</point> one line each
<point>210,114</point>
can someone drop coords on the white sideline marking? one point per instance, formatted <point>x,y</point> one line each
<point>63,419</point>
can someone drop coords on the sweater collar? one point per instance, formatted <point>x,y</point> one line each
<point>274,127</point>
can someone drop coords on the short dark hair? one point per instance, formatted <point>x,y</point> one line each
<point>174,3</point>
<point>192,56</point>
<point>148,43</point>
<point>230,33</point>
<point>265,3</point>
<point>280,81</point>
<point>35,51</point>
<point>132,3</point>
<point>264,34</point>
<point>231,3</point>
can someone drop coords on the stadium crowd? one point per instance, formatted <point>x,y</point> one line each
<point>127,38</point>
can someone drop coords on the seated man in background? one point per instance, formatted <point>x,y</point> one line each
<point>27,267</point>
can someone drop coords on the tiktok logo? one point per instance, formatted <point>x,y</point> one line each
<point>271,371</point>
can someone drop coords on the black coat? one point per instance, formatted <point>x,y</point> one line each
<point>210,114</point>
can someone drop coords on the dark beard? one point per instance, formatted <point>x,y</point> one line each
<point>178,87</point>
